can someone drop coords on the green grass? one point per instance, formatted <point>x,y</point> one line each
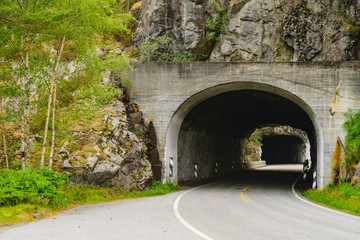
<point>20,213</point>
<point>78,195</point>
<point>343,197</point>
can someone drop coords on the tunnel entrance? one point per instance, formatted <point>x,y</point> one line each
<point>211,134</point>
<point>282,150</point>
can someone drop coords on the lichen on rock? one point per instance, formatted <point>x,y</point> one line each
<point>107,152</point>
<point>268,30</point>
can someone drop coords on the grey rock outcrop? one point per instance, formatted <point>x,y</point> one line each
<point>110,154</point>
<point>267,30</point>
<point>182,21</point>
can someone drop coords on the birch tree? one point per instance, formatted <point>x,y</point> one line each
<point>58,25</point>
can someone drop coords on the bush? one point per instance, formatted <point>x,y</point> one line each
<point>216,25</point>
<point>352,140</point>
<point>159,188</point>
<point>160,49</point>
<point>31,186</point>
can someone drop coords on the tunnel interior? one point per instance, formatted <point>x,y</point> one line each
<point>282,150</point>
<point>211,134</point>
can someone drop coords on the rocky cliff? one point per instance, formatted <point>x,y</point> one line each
<point>109,150</point>
<point>252,30</point>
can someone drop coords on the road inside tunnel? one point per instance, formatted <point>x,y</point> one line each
<point>212,133</point>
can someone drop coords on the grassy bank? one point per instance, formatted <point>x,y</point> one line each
<point>342,197</point>
<point>26,193</point>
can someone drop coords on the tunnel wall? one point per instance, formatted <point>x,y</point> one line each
<point>166,92</point>
<point>208,151</point>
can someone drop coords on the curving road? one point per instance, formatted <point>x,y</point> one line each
<point>253,205</point>
<point>261,205</point>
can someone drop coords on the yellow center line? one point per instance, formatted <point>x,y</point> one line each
<point>242,194</point>
<point>246,188</point>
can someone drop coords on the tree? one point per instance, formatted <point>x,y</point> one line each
<point>53,27</point>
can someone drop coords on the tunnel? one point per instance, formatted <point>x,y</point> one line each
<point>211,133</point>
<point>282,150</point>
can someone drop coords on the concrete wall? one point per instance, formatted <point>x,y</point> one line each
<point>166,93</point>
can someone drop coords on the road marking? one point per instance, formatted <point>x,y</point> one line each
<point>183,221</point>
<point>246,188</point>
<point>242,194</point>
<point>317,205</point>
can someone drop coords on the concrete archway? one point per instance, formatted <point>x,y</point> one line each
<point>198,103</point>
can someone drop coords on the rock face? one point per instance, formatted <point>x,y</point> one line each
<point>251,148</point>
<point>182,21</point>
<point>267,30</point>
<point>106,152</point>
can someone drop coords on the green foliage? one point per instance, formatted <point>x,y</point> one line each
<point>80,194</point>
<point>352,140</point>
<point>160,49</point>
<point>159,188</point>
<point>31,33</point>
<point>72,195</point>
<point>352,29</point>
<point>342,196</point>
<point>216,25</point>
<point>256,137</point>
<point>31,186</point>
<point>20,213</point>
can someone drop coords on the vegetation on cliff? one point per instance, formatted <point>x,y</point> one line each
<point>352,140</point>
<point>53,58</point>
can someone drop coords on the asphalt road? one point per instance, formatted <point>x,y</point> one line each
<point>253,205</point>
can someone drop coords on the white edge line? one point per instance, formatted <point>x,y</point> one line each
<point>317,205</point>
<point>185,223</point>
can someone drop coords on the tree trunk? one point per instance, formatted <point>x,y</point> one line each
<point>23,81</point>
<point>53,129</point>
<point>3,133</point>
<point>27,115</point>
<point>53,80</point>
<point>46,125</point>
<point>28,135</point>
<point>22,148</point>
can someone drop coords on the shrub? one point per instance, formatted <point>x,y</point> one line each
<point>31,186</point>
<point>352,140</point>
<point>160,49</point>
<point>218,23</point>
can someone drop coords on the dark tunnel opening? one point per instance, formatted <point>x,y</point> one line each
<point>282,150</point>
<point>211,134</point>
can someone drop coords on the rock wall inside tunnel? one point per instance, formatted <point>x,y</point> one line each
<point>205,154</point>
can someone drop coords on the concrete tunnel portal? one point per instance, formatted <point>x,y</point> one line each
<point>210,134</point>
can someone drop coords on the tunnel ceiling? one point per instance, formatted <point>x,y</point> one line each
<point>242,111</point>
